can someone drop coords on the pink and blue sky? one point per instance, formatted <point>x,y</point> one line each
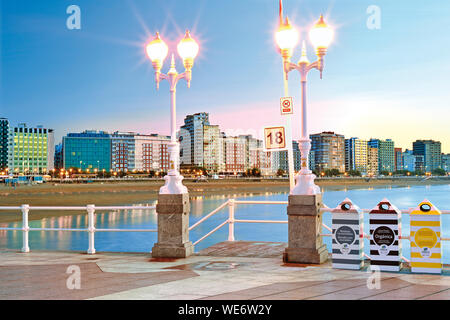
<point>385,83</point>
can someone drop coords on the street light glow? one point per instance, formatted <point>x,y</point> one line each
<point>287,36</point>
<point>157,50</point>
<point>321,34</point>
<point>188,48</point>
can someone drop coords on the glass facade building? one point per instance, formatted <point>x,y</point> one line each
<point>408,161</point>
<point>356,155</point>
<point>446,162</point>
<point>431,152</point>
<point>398,158</point>
<point>4,129</point>
<point>386,155</point>
<point>89,150</point>
<point>30,150</point>
<point>280,159</point>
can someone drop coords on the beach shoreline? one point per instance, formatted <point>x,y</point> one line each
<point>126,193</point>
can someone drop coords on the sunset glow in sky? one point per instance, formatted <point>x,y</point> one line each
<point>385,83</point>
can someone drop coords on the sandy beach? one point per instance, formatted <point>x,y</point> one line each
<point>124,193</point>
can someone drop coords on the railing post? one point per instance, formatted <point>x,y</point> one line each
<point>25,228</point>
<point>91,228</point>
<point>231,205</point>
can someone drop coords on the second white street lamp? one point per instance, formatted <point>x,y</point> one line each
<point>286,37</point>
<point>157,51</point>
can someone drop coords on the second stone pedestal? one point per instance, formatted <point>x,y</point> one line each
<point>173,227</point>
<point>305,224</point>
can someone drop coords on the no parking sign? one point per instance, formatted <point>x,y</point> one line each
<point>286,105</point>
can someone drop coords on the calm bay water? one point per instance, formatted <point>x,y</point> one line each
<point>404,197</point>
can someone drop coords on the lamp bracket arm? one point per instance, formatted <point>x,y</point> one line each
<point>289,66</point>
<point>163,76</point>
<point>187,75</point>
<point>181,76</point>
<point>313,65</point>
<point>319,64</point>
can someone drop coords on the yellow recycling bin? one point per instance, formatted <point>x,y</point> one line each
<point>385,244</point>
<point>425,236</point>
<point>347,224</point>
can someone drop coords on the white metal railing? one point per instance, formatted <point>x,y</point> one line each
<point>232,220</point>
<point>231,203</point>
<point>91,230</point>
<point>363,235</point>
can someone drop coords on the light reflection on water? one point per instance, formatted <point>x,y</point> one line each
<point>404,197</point>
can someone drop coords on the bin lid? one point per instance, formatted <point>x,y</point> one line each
<point>346,206</point>
<point>385,207</point>
<point>426,208</point>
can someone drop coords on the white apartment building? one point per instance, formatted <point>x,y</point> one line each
<point>372,161</point>
<point>139,152</point>
<point>201,144</point>
<point>255,157</point>
<point>235,154</point>
<point>122,151</point>
<point>192,140</point>
<point>213,149</point>
<point>204,145</point>
<point>151,152</point>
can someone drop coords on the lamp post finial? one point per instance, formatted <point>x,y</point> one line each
<point>281,12</point>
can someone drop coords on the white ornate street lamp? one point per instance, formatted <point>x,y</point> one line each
<point>157,51</point>
<point>286,37</point>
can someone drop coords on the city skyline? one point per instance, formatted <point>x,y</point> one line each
<point>227,131</point>
<point>203,144</point>
<point>367,90</point>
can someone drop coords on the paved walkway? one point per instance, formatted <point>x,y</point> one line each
<point>229,271</point>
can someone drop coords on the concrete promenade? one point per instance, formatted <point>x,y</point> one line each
<point>227,271</point>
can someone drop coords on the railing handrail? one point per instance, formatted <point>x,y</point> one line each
<point>78,208</point>
<point>231,219</point>
<point>259,202</point>
<point>209,215</point>
<point>231,203</point>
<point>91,209</point>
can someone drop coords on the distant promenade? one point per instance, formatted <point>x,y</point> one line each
<point>127,191</point>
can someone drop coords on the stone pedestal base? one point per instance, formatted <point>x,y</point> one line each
<point>306,256</point>
<point>305,225</point>
<point>173,227</point>
<point>169,251</point>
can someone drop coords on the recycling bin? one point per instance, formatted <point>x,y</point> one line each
<point>425,236</point>
<point>385,243</point>
<point>347,244</point>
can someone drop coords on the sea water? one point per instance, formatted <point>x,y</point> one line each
<point>402,197</point>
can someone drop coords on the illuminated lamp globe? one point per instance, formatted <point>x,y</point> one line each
<point>321,35</point>
<point>188,49</point>
<point>287,37</point>
<point>157,50</point>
